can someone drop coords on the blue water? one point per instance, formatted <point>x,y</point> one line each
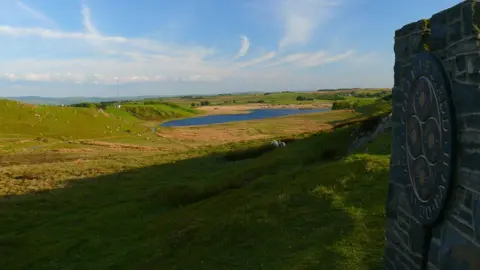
<point>224,118</point>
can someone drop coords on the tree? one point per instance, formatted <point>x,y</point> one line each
<point>300,98</point>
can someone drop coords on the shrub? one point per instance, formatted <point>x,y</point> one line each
<point>387,98</point>
<point>300,98</point>
<point>345,105</point>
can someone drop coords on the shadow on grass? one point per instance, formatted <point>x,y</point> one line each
<point>252,152</point>
<point>199,213</point>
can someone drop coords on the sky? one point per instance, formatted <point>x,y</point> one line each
<point>58,48</point>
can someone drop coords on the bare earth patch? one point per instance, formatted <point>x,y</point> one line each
<point>119,145</point>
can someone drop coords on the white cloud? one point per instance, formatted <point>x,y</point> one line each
<point>257,60</point>
<point>244,47</point>
<point>35,13</point>
<point>311,59</point>
<point>289,59</point>
<point>119,60</point>
<point>48,33</point>
<point>111,71</point>
<point>302,17</point>
<point>87,22</point>
<point>111,44</point>
<point>98,78</point>
<point>321,58</point>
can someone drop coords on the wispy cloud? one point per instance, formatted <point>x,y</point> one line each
<point>302,17</point>
<point>36,14</point>
<point>119,59</point>
<point>245,45</point>
<point>311,59</point>
<point>150,59</point>
<point>53,34</point>
<point>288,59</point>
<point>87,22</point>
<point>257,60</point>
<point>321,58</point>
<point>116,44</point>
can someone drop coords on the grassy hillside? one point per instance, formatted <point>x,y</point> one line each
<point>21,119</point>
<point>159,111</point>
<point>292,208</point>
<point>124,202</point>
<point>151,110</point>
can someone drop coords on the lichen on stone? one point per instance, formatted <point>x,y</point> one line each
<point>425,34</point>
<point>474,22</point>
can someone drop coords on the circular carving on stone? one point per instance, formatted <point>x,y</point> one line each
<point>421,178</point>
<point>414,135</point>
<point>429,138</point>
<point>432,141</point>
<point>423,98</point>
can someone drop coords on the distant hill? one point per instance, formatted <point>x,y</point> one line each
<point>72,100</point>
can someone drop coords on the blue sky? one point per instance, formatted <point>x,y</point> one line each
<point>154,47</point>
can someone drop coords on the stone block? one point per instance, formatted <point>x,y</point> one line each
<point>433,206</point>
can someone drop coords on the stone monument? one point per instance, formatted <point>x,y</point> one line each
<point>433,205</point>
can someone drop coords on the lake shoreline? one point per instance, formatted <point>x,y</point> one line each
<point>246,108</point>
<point>252,114</point>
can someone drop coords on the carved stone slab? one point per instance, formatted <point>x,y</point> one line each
<point>430,141</point>
<point>433,205</point>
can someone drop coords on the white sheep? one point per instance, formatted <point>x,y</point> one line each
<point>282,144</point>
<point>275,143</point>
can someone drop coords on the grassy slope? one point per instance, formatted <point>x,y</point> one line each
<point>288,209</point>
<point>18,119</point>
<point>271,98</point>
<point>52,164</point>
<point>158,111</point>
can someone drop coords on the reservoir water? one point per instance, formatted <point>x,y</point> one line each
<point>252,115</point>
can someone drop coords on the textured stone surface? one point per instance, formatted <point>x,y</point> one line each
<point>433,205</point>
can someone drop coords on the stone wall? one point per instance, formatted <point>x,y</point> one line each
<point>433,207</point>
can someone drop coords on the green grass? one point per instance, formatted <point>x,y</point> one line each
<point>376,107</point>
<point>60,122</point>
<point>216,206</point>
<point>279,98</point>
<point>120,113</point>
<point>158,111</point>
<point>287,209</point>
